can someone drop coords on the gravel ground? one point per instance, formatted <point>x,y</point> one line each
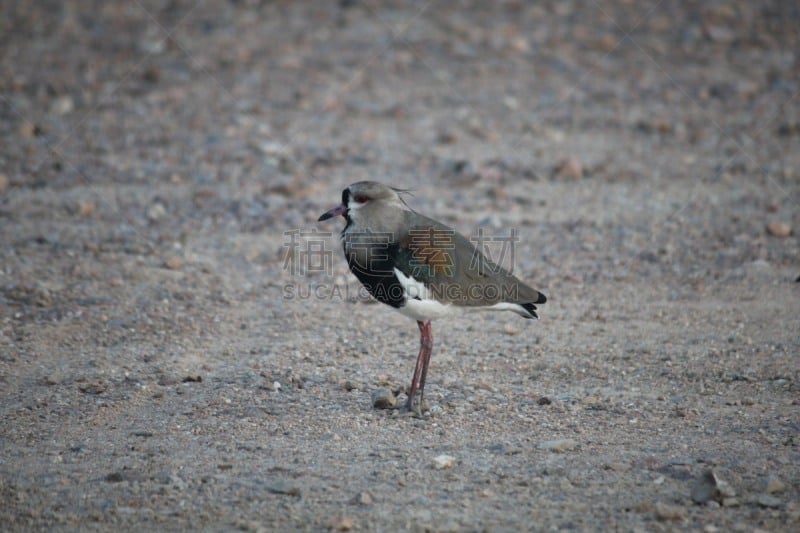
<point>164,364</point>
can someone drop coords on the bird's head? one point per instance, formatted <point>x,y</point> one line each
<point>365,197</point>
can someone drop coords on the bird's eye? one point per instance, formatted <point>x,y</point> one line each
<point>360,198</point>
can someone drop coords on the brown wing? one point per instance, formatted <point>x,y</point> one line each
<point>454,270</point>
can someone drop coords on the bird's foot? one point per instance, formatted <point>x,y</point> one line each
<point>416,408</point>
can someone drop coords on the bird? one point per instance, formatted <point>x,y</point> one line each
<point>422,268</point>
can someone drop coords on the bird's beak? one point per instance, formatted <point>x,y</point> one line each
<point>335,212</point>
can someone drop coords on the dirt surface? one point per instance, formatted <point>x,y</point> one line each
<point>162,366</point>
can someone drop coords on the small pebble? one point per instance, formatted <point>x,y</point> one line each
<point>593,402</point>
<point>446,137</point>
<point>665,511</point>
<point>362,498</point>
<point>62,105</point>
<point>569,169</point>
<point>281,487</point>
<point>618,467</point>
<point>93,387</point>
<point>341,523</point>
<point>156,212</point>
<point>725,489</point>
<point>606,42</point>
<point>768,501</point>
<point>558,445</point>
<point>153,43</point>
<point>54,378</point>
<point>730,502</point>
<point>114,477</point>
<point>511,103</point>
<point>86,208</point>
<point>165,380</point>
<point>779,229</point>
<point>711,487</point>
<point>151,74</point>
<point>173,263</point>
<point>774,485</point>
<point>519,43</point>
<point>383,398</point>
<point>251,526</point>
<point>29,129</point>
<point>441,462</point>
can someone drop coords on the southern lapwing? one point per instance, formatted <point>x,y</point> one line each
<point>421,267</point>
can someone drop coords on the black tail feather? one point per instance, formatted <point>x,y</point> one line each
<point>531,309</point>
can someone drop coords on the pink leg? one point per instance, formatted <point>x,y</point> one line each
<point>427,341</point>
<point>421,368</point>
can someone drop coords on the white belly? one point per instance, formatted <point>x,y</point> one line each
<point>420,304</point>
<point>425,310</point>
